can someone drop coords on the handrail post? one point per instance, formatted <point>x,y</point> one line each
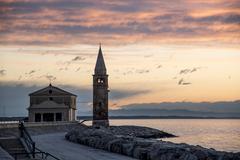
<point>21,128</point>
<point>31,144</point>
<point>33,149</point>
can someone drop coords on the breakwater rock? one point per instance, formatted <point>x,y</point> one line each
<point>138,131</point>
<point>117,141</point>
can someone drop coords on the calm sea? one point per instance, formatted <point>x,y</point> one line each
<point>220,134</point>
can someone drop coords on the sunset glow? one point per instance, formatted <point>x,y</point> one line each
<point>155,51</point>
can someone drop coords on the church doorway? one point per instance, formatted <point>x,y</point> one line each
<point>48,117</point>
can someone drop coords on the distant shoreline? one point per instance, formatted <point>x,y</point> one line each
<point>169,117</point>
<point>158,117</point>
<point>128,117</point>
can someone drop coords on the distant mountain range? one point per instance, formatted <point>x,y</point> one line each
<point>170,113</point>
<point>180,109</point>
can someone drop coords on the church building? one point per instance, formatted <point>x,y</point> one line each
<point>51,104</point>
<point>54,104</point>
<point>100,92</point>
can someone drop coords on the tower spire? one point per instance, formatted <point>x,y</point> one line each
<point>100,67</point>
<point>100,92</point>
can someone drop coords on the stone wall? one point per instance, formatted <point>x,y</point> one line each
<point>38,128</point>
<point>35,124</point>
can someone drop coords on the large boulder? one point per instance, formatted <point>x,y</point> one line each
<point>188,156</point>
<point>127,148</point>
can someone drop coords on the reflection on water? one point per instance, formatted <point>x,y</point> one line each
<point>220,134</point>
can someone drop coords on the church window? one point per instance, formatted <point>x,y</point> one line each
<point>50,91</point>
<point>58,116</point>
<point>100,104</point>
<point>37,117</point>
<point>50,98</point>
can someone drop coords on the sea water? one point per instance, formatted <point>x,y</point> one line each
<point>220,134</point>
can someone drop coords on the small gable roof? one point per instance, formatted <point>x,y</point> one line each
<point>54,91</point>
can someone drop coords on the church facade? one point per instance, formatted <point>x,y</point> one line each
<point>100,92</point>
<point>51,104</point>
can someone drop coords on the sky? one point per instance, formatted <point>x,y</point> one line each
<point>155,50</point>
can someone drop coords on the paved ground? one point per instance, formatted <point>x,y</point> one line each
<point>56,144</point>
<point>4,155</point>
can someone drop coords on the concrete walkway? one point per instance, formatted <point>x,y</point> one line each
<point>65,150</point>
<point>4,155</point>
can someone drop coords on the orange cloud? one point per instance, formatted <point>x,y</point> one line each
<point>58,22</point>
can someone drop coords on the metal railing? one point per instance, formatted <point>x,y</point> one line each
<point>84,120</point>
<point>30,144</point>
<point>27,139</point>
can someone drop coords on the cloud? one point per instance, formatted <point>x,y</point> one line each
<point>18,92</point>
<point>159,66</point>
<point>61,22</point>
<point>19,102</point>
<point>128,72</point>
<point>186,83</point>
<point>134,71</point>
<point>30,72</point>
<point>63,69</point>
<point>219,106</point>
<point>148,56</point>
<point>2,72</point>
<point>67,63</point>
<point>78,58</point>
<point>222,18</point>
<point>186,71</point>
<point>77,69</point>
<point>49,77</point>
<point>117,94</point>
<point>141,71</point>
<point>20,77</point>
<point>182,82</point>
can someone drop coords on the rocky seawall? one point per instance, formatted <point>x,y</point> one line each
<point>138,131</point>
<point>134,141</point>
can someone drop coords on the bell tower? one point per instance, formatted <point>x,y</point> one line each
<point>100,92</point>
